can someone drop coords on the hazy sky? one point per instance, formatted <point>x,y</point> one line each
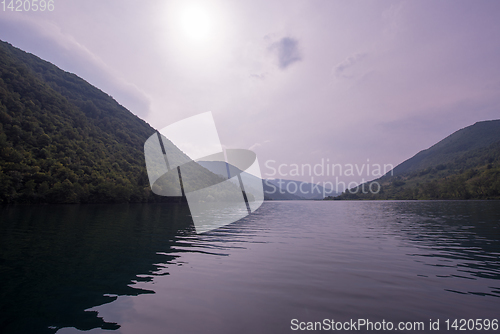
<point>295,81</point>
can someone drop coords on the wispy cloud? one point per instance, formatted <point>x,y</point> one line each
<point>287,51</point>
<point>254,146</point>
<point>350,61</point>
<point>260,76</point>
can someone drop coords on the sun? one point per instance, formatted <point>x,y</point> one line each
<point>196,23</point>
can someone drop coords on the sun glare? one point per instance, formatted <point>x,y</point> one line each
<point>196,23</point>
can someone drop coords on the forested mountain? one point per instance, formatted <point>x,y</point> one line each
<point>464,165</point>
<point>63,140</point>
<point>455,150</point>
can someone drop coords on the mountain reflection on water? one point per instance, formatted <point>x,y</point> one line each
<point>58,261</point>
<point>140,268</point>
<point>457,234</point>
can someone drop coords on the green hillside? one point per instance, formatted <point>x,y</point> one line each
<point>63,140</point>
<point>454,149</point>
<point>464,165</point>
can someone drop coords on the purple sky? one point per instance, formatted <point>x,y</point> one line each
<point>295,81</point>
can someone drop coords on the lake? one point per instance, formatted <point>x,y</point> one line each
<point>139,268</point>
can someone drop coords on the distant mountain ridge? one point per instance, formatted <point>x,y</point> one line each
<point>464,165</point>
<point>271,191</point>
<point>277,189</point>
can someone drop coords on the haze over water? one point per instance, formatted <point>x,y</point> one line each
<point>139,268</point>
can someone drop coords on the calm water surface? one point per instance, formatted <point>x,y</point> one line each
<point>140,269</point>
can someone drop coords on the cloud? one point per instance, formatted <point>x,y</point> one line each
<point>340,68</point>
<point>260,76</point>
<point>254,146</point>
<point>287,51</point>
